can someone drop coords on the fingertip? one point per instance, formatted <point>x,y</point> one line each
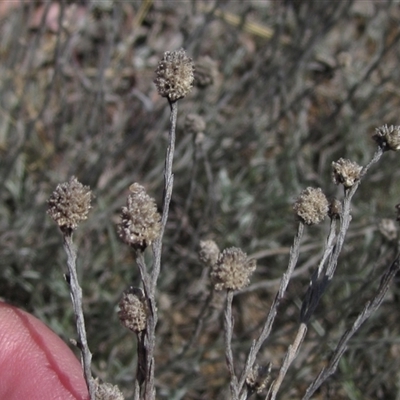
<point>35,363</point>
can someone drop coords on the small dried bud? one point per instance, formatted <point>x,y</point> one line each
<point>69,204</point>
<point>388,228</point>
<point>232,270</point>
<point>107,391</point>
<point>140,222</point>
<point>133,310</point>
<point>174,75</point>
<point>258,378</point>
<point>208,253</point>
<point>194,124</point>
<point>311,206</point>
<point>205,73</point>
<point>388,138</point>
<point>345,172</point>
<point>335,209</point>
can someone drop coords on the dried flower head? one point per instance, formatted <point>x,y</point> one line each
<point>107,391</point>
<point>388,228</point>
<point>208,253</point>
<point>232,270</point>
<point>174,75</point>
<point>311,206</point>
<point>194,124</point>
<point>335,209</point>
<point>258,378</point>
<point>205,72</point>
<point>140,222</point>
<point>69,204</point>
<point>388,138</point>
<point>133,310</point>
<point>345,172</point>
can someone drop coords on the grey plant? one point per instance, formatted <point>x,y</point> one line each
<point>285,98</point>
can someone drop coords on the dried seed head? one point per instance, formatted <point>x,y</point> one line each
<point>107,391</point>
<point>388,138</point>
<point>69,204</point>
<point>335,209</point>
<point>311,206</point>
<point>205,72</point>
<point>388,228</point>
<point>140,222</point>
<point>345,172</point>
<point>194,124</point>
<point>133,310</point>
<point>232,270</point>
<point>258,378</point>
<point>208,253</point>
<point>174,75</point>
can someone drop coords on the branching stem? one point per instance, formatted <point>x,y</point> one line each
<point>149,281</point>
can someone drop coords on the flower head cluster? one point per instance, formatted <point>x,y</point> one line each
<point>208,253</point>
<point>69,204</point>
<point>107,391</point>
<point>140,222</point>
<point>311,206</point>
<point>205,73</point>
<point>174,75</point>
<point>388,138</point>
<point>232,270</point>
<point>345,172</point>
<point>133,310</point>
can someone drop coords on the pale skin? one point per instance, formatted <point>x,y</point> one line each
<point>35,363</point>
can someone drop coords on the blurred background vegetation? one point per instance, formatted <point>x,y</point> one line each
<point>295,85</point>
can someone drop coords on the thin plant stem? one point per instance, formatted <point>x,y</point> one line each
<point>144,363</point>
<point>168,185</point>
<point>345,218</point>
<point>228,330</point>
<point>150,280</point>
<point>76,296</point>
<point>327,267</point>
<point>289,358</point>
<point>369,308</point>
<point>318,284</point>
<point>318,281</point>
<point>256,345</point>
<point>136,391</point>
<point>322,276</point>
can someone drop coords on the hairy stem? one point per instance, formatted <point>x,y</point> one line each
<point>256,346</point>
<point>76,296</point>
<point>289,358</point>
<point>150,280</point>
<point>369,308</point>
<point>228,330</point>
